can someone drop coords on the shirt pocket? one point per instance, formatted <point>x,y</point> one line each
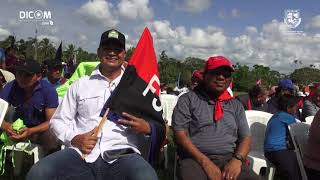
<point>90,105</point>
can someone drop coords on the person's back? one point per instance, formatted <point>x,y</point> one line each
<point>276,148</point>
<point>249,105</point>
<point>312,104</point>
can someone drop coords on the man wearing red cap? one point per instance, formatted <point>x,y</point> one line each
<point>211,128</point>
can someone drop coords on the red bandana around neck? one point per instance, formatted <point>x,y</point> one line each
<point>218,109</point>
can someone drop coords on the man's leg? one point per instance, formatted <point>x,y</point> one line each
<point>64,164</point>
<point>189,169</point>
<point>285,162</point>
<point>130,167</point>
<point>48,142</point>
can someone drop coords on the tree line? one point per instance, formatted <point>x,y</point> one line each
<point>172,71</point>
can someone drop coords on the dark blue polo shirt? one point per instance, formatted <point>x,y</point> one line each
<point>32,111</point>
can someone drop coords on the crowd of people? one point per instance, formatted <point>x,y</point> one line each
<point>209,124</point>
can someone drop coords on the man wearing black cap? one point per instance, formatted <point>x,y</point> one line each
<point>54,73</point>
<point>211,129</point>
<point>34,101</point>
<point>111,153</point>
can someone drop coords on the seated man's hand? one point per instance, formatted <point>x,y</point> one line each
<point>232,169</point>
<point>22,135</point>
<point>7,127</point>
<point>213,172</point>
<point>138,124</point>
<point>85,142</point>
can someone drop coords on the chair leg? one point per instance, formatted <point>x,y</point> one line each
<point>270,173</point>
<point>175,166</point>
<point>165,151</point>
<point>35,155</point>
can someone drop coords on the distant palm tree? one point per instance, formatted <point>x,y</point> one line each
<point>71,50</point>
<point>46,50</point>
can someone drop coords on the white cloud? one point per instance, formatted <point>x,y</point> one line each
<point>35,2</point>
<point>82,37</point>
<point>208,38</point>
<point>235,13</point>
<point>133,9</point>
<point>314,23</point>
<point>98,12</point>
<point>271,46</point>
<point>163,30</point>
<point>194,6</point>
<point>4,33</point>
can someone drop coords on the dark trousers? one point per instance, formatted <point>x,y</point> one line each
<point>47,141</point>
<point>312,174</point>
<point>189,169</point>
<point>67,164</point>
<point>286,163</point>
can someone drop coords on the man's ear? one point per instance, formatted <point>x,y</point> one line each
<point>99,52</point>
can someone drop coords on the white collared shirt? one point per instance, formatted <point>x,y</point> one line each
<point>79,112</point>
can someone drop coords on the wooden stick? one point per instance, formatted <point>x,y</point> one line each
<point>101,124</point>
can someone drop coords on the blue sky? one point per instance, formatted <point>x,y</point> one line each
<point>247,31</point>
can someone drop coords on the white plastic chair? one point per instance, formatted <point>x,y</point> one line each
<point>168,102</point>
<point>299,133</point>
<point>3,109</point>
<point>257,121</point>
<point>309,119</point>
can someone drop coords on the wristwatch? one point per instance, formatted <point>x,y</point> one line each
<point>239,157</point>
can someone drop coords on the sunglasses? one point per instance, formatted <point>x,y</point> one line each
<point>221,71</point>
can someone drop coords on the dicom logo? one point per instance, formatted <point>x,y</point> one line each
<point>37,15</point>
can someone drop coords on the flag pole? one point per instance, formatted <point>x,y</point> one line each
<point>102,122</point>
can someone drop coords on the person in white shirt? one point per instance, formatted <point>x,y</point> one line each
<point>113,153</point>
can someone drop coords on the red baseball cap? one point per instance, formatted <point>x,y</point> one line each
<point>198,74</point>
<point>218,61</point>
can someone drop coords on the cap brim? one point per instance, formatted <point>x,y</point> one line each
<point>20,68</point>
<point>112,41</point>
<point>227,67</point>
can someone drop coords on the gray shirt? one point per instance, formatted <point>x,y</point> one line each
<point>309,109</point>
<point>194,113</point>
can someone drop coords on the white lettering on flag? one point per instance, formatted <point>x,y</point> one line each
<point>153,90</point>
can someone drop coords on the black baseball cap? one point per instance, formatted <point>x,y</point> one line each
<point>30,66</point>
<point>113,36</point>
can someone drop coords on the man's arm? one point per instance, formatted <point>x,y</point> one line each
<point>45,125</point>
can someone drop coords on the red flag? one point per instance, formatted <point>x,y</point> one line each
<point>145,61</point>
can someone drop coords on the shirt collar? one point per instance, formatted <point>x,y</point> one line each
<point>36,88</point>
<point>114,82</point>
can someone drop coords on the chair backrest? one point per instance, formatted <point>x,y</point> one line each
<point>299,135</point>
<point>168,103</point>
<point>3,109</point>
<point>309,119</point>
<point>257,121</point>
